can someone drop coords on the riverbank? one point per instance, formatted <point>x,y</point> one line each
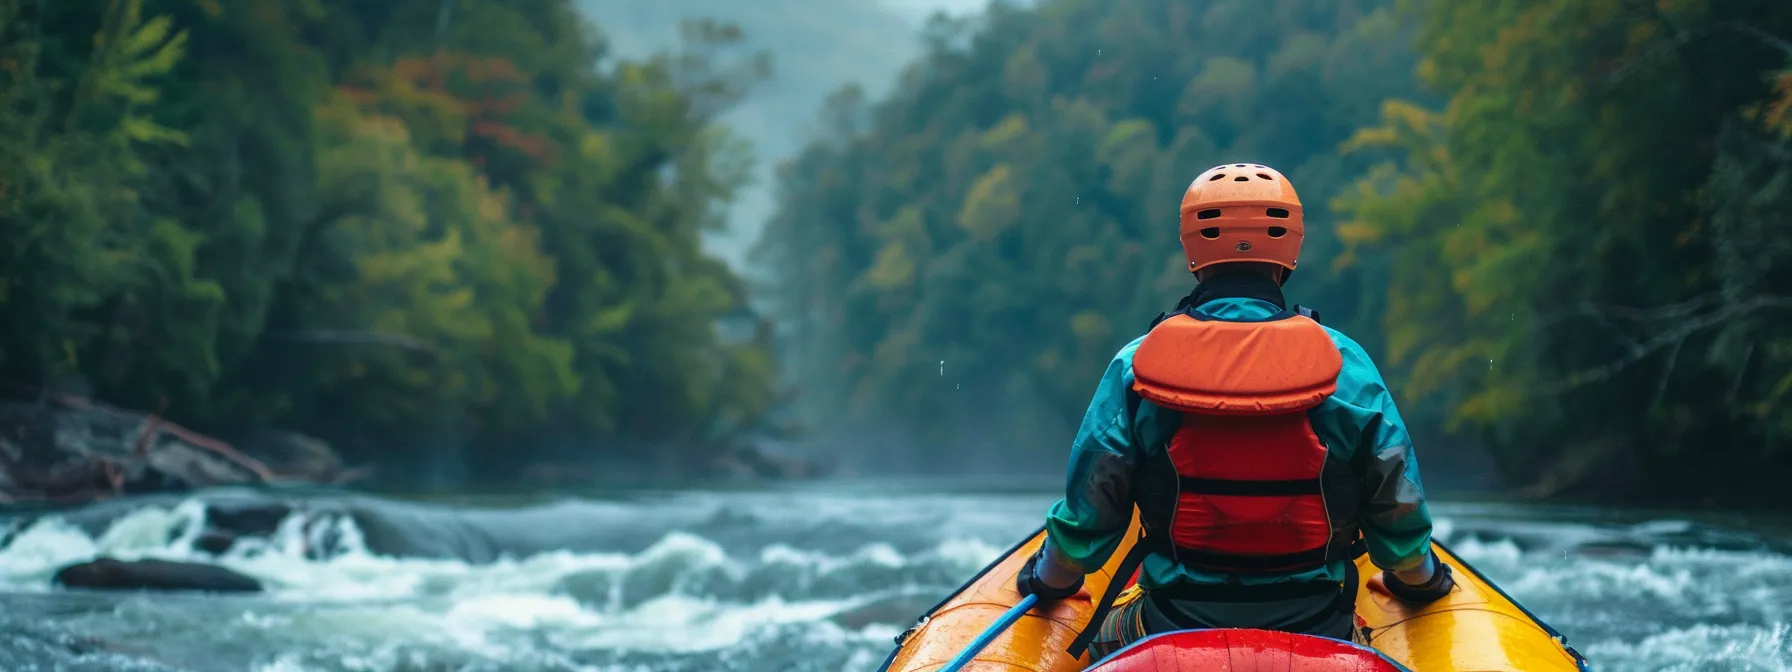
<point>65,449</point>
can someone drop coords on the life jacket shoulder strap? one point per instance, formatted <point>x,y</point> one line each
<point>1308,313</point>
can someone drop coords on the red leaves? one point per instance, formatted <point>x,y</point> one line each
<point>534,146</point>
<point>490,93</point>
<point>1779,111</point>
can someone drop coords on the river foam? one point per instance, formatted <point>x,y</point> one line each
<point>752,583</point>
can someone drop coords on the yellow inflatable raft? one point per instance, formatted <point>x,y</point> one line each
<point>1476,628</point>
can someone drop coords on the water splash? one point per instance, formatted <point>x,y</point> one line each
<point>787,582</point>
<point>334,605</point>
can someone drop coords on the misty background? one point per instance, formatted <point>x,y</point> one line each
<point>441,244</point>
<point>816,48</point>
<point>685,335</point>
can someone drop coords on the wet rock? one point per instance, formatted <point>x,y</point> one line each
<point>295,456</point>
<point>752,463</point>
<point>113,574</point>
<point>67,449</point>
<point>81,452</point>
<point>246,516</point>
<point>328,525</point>
<point>214,542</point>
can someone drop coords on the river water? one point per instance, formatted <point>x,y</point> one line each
<point>817,577</point>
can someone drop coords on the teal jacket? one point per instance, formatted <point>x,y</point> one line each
<point>1120,430</point>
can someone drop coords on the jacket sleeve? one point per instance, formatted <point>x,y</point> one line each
<point>1396,522</point>
<point>1084,528</point>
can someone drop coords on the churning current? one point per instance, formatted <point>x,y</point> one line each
<point>813,578</point>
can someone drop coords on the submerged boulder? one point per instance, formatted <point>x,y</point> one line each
<point>113,574</point>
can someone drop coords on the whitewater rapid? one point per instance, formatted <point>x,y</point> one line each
<point>788,580</point>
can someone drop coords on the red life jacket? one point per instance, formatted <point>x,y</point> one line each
<point>1245,485</point>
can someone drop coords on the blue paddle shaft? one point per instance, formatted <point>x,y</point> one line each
<point>989,635</point>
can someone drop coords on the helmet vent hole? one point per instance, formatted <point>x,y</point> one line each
<point>1266,177</point>
<point>1277,232</point>
<point>1277,213</point>
<point>1211,233</point>
<point>1239,166</point>
<point>1217,177</point>
<point>1241,178</point>
<point>1209,213</point>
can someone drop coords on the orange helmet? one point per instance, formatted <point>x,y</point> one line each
<point>1241,212</point>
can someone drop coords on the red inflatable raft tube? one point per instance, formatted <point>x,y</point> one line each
<point>1238,650</point>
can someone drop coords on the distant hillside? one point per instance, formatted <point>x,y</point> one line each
<point>817,46</point>
<point>957,263</point>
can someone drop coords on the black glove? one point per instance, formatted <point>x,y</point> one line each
<point>1029,583</point>
<point>1425,593</point>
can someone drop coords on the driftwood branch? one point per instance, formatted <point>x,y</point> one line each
<point>158,426</point>
<point>141,449</point>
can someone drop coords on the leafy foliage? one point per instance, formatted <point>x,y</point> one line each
<point>959,262</point>
<point>403,225</point>
<point>813,47</point>
<point>1606,189</point>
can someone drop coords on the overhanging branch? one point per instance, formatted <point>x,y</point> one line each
<point>1671,337</point>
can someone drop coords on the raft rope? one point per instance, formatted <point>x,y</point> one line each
<point>990,634</point>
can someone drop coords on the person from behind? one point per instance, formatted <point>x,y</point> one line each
<point>1257,445</point>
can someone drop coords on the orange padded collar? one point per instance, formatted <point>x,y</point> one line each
<point>1197,364</point>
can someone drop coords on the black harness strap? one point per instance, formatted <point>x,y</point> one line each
<point>1223,486</point>
<point>1116,585</point>
<point>1145,545</point>
<point>1307,559</point>
<point>1344,600</point>
<point>1238,593</point>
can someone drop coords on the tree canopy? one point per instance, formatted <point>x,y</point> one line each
<point>420,225</point>
<point>814,46</point>
<point>1557,225</point>
<point>958,262</point>
<point>459,232</point>
<point>1589,240</point>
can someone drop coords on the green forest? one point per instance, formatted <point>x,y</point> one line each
<point>443,235</point>
<point>966,256</point>
<point>816,46</point>
<point>461,236</point>
<point>1559,226</point>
